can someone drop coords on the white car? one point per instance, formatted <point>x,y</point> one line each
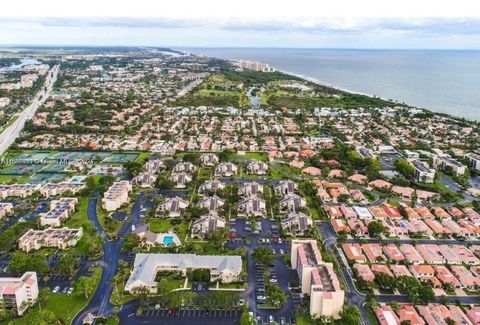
<point>70,290</point>
<point>55,290</point>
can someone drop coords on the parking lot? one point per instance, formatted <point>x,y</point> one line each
<point>187,316</point>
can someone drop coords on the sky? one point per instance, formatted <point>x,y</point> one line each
<point>247,23</point>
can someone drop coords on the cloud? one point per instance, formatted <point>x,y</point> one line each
<point>352,26</point>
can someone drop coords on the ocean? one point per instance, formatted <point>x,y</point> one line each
<point>446,81</point>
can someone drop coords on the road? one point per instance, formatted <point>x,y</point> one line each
<point>8,136</point>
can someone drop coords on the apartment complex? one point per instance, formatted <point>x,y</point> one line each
<point>116,196</point>
<point>19,293</point>
<point>226,269</point>
<point>317,279</point>
<point>423,173</point>
<point>60,238</point>
<point>442,162</point>
<point>59,210</point>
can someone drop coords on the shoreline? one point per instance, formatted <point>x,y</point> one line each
<point>327,84</point>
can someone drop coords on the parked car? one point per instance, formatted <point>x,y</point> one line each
<point>70,290</point>
<point>55,290</point>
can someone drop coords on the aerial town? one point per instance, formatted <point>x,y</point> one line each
<point>153,186</point>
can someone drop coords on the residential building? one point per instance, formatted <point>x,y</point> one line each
<point>227,169</point>
<point>317,279</point>
<point>173,207</point>
<point>62,238</point>
<point>252,206</point>
<point>292,202</point>
<point>209,159</point>
<point>6,209</point>
<point>423,173</point>
<point>250,189</point>
<point>211,186</point>
<point>181,179</point>
<point>285,188</point>
<point>257,168</point>
<point>225,269</point>
<point>207,224</point>
<point>19,293</point>
<point>296,223</point>
<point>442,162</point>
<point>60,210</point>
<point>116,195</point>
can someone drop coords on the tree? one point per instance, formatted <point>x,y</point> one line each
<point>449,321</point>
<point>131,241</point>
<point>43,317</point>
<point>375,228</point>
<point>276,295</point>
<point>22,263</point>
<point>66,265</point>
<point>350,315</point>
<point>134,168</point>
<point>85,285</point>
<point>262,255</point>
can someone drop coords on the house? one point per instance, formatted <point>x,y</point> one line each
<point>153,166</point>
<point>386,315</point>
<point>296,223</point>
<point>354,253</point>
<point>285,187</point>
<point>380,184</point>
<point>333,211</point>
<point>212,203</point>
<point>225,269</point>
<point>19,293</point>
<point>116,195</point>
<point>173,207</point>
<point>445,276</point>
<point>363,212</point>
<point>358,227</point>
<point>209,159</point>
<point>381,269</point>
<point>211,186</point>
<point>227,169</point>
<point>422,271</point>
<point>449,255</point>
<point>144,180</point>
<point>364,272</point>
<point>60,238</point>
<point>409,314</point>
<point>339,225</point>
<point>292,202</point>
<point>358,178</point>
<point>400,270</point>
<point>411,254</point>
<point>374,253</point>
<point>393,253</point>
<point>250,189</point>
<point>466,278</point>
<point>252,206</point>
<point>317,279</point>
<point>206,224</point>
<point>430,253</point>
<point>181,179</point>
<point>312,171</point>
<point>257,168</point>
<point>184,167</point>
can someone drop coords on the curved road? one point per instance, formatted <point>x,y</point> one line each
<point>8,136</point>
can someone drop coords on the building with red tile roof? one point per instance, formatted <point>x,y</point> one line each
<point>381,268</point>
<point>400,270</point>
<point>411,254</point>
<point>386,315</point>
<point>373,252</point>
<point>393,253</point>
<point>408,313</point>
<point>364,272</point>
<point>354,253</point>
<point>445,276</point>
<point>392,212</point>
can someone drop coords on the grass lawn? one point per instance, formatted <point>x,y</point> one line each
<point>172,282</point>
<point>112,226</point>
<point>19,179</point>
<point>163,225</point>
<point>142,156</point>
<point>80,215</point>
<point>65,307</point>
<point>262,156</point>
<point>303,319</point>
<point>205,173</point>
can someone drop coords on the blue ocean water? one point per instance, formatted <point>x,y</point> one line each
<point>446,81</point>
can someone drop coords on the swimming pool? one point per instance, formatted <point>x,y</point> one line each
<point>167,240</point>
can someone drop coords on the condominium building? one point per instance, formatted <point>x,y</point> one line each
<point>6,209</point>
<point>19,293</point>
<point>60,238</point>
<point>423,173</point>
<point>116,196</point>
<point>317,279</point>
<point>474,160</point>
<point>441,162</point>
<point>59,210</point>
<point>226,269</point>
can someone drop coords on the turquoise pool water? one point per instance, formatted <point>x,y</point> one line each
<point>167,240</point>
